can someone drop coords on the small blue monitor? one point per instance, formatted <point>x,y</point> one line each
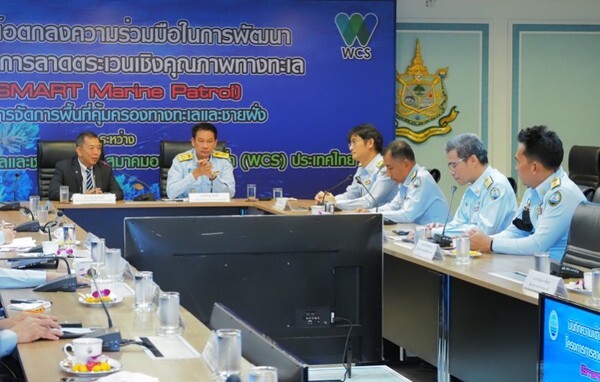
<point>569,341</point>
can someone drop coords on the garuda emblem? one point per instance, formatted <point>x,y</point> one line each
<point>421,98</point>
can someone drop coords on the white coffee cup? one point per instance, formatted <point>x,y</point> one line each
<point>83,349</point>
<point>317,210</point>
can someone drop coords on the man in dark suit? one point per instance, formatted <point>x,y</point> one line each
<point>85,173</point>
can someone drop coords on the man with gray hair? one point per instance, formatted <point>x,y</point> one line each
<point>489,204</point>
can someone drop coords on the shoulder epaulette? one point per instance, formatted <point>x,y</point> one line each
<point>220,154</point>
<point>185,156</point>
<point>555,183</point>
<point>488,181</point>
<point>380,164</point>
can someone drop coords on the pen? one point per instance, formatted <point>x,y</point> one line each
<point>521,274</point>
<point>27,301</point>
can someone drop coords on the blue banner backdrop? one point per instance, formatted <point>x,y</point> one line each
<point>283,81</point>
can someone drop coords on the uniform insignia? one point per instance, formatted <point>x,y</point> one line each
<point>555,183</point>
<point>380,163</point>
<point>488,181</point>
<point>476,207</point>
<point>414,175</point>
<point>185,157</point>
<point>555,198</point>
<point>539,209</point>
<point>367,182</point>
<point>494,193</point>
<point>220,154</point>
<point>417,182</point>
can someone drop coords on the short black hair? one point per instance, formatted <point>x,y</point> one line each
<point>83,135</point>
<point>400,150</point>
<point>542,145</point>
<point>204,126</point>
<point>367,131</point>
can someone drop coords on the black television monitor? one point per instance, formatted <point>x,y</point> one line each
<point>569,341</point>
<point>302,280</point>
<point>258,348</point>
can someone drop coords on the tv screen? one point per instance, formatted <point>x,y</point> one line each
<point>302,280</point>
<point>569,341</point>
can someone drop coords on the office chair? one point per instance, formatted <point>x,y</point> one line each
<point>583,246</point>
<point>168,151</point>
<point>48,154</point>
<point>584,168</point>
<point>596,198</point>
<point>435,173</point>
<point>513,183</point>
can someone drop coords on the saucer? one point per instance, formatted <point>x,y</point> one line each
<point>576,287</point>
<point>115,299</point>
<point>452,253</point>
<point>67,364</point>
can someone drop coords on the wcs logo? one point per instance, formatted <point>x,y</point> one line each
<point>356,28</point>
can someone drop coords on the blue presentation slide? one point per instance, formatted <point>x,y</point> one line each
<point>570,348</point>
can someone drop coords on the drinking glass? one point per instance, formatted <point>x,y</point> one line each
<point>97,249</point>
<point>112,263</point>
<point>251,191</point>
<point>34,204</point>
<point>168,313</point>
<point>595,286</point>
<point>277,193</point>
<point>144,291</point>
<point>462,247</point>
<point>64,194</point>
<point>542,262</point>
<point>229,352</point>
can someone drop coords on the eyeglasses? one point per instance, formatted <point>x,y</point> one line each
<point>452,165</point>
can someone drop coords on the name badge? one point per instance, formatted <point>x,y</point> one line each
<point>427,250</point>
<point>212,197</point>
<point>542,282</point>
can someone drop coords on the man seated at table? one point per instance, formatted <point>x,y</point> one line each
<point>84,173</point>
<point>489,203</point>
<point>365,143</point>
<point>201,169</point>
<point>543,219</point>
<point>419,199</point>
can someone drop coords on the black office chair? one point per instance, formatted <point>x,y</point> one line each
<point>596,198</point>
<point>435,173</point>
<point>584,168</point>
<point>48,153</point>
<point>168,151</point>
<point>583,246</point>
<point>513,183</point>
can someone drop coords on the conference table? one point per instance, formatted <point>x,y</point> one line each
<point>40,359</point>
<point>474,322</point>
<point>465,319</point>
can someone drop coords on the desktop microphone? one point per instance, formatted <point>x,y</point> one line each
<point>359,181</point>
<point>334,187</point>
<point>111,337</point>
<point>13,206</point>
<point>66,283</point>
<point>443,240</point>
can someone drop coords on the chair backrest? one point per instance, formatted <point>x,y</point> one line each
<point>583,246</point>
<point>168,151</point>
<point>436,174</point>
<point>48,153</point>
<point>584,168</point>
<point>513,183</point>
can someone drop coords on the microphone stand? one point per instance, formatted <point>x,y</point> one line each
<point>443,240</point>
<point>359,181</point>
<point>111,337</point>
<point>334,187</point>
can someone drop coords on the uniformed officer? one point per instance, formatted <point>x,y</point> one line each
<point>201,169</point>
<point>489,204</point>
<point>418,199</point>
<point>543,219</point>
<point>365,143</point>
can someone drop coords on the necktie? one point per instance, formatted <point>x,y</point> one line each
<point>89,181</point>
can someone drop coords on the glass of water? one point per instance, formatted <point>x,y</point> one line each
<point>168,313</point>
<point>595,286</point>
<point>144,291</point>
<point>34,204</point>
<point>251,192</point>
<point>98,249</point>
<point>112,263</point>
<point>463,248</point>
<point>229,352</point>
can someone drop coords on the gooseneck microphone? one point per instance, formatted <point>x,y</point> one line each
<point>66,283</point>
<point>328,191</point>
<point>111,337</point>
<point>359,181</point>
<point>443,240</point>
